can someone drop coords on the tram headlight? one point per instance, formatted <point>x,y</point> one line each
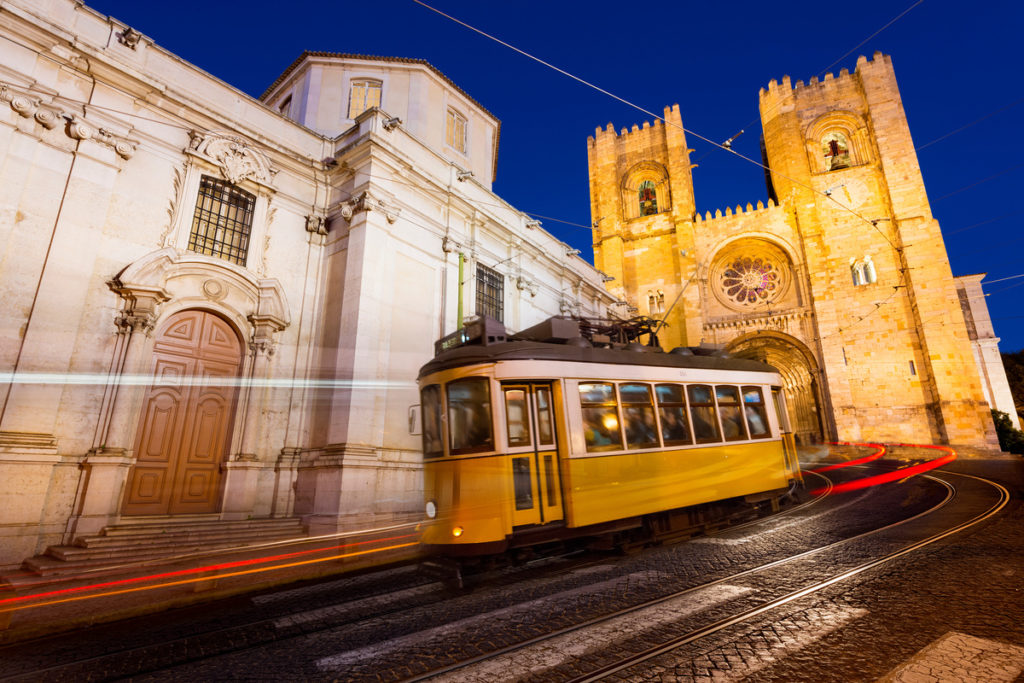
<point>457,531</point>
<point>431,509</point>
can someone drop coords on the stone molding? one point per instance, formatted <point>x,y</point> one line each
<point>776,322</point>
<point>203,278</point>
<point>234,156</point>
<point>30,105</point>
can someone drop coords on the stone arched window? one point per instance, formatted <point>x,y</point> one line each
<point>648,196</point>
<point>837,140</point>
<point>645,191</point>
<point>863,271</point>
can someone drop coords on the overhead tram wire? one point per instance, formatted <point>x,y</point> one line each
<point>825,70</point>
<point>660,118</point>
<point>965,127</point>
<point>874,224</point>
<point>878,305</point>
<point>979,182</point>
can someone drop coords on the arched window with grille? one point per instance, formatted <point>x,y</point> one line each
<point>836,149</point>
<point>648,195</point>
<point>645,190</point>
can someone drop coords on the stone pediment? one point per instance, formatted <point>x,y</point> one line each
<point>234,156</point>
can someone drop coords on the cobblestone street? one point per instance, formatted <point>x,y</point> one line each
<point>933,614</point>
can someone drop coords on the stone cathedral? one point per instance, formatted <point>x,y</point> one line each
<point>840,279</point>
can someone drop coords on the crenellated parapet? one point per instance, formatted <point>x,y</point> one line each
<point>731,216</point>
<point>781,96</point>
<point>641,135</point>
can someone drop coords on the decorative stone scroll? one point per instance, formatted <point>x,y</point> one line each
<point>364,201</point>
<point>234,156</point>
<point>316,224</point>
<point>27,105</point>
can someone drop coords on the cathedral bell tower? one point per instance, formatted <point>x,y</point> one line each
<point>891,336</point>
<point>641,202</point>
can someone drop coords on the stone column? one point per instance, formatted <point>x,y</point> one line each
<point>242,470</point>
<point>105,468</point>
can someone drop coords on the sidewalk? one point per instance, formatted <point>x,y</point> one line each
<point>31,608</point>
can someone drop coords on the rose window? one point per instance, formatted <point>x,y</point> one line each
<point>750,280</point>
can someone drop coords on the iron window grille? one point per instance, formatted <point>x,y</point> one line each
<point>222,221</point>
<point>490,293</point>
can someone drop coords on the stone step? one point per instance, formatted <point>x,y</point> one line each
<point>121,548</point>
<point>165,527</point>
<point>130,548</point>
<point>176,536</point>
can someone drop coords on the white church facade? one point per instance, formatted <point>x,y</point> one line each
<point>215,306</point>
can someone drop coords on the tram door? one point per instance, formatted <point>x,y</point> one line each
<point>530,423</point>
<point>786,431</point>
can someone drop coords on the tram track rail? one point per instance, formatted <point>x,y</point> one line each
<point>709,629</point>
<point>260,632</point>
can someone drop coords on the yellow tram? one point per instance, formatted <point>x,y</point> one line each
<point>548,435</point>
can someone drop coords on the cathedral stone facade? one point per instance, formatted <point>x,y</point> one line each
<point>840,278</point>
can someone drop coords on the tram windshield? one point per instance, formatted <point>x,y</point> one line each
<point>469,416</point>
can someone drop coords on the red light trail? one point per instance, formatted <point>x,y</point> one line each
<point>896,474</point>
<point>199,570</point>
<point>879,452</point>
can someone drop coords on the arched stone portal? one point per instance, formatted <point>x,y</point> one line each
<point>799,373</point>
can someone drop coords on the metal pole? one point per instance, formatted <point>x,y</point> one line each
<point>462,261</point>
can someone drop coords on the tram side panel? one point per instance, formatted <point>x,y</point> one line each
<point>474,498</point>
<point>602,487</point>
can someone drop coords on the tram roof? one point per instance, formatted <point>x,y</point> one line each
<point>630,355</point>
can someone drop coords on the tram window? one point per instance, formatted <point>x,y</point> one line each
<point>675,428</point>
<point>757,415</point>
<point>522,483</point>
<point>517,417</point>
<point>638,415</point>
<point>702,411</point>
<point>600,417</point>
<point>430,398</point>
<point>545,432</point>
<point>729,407</point>
<point>469,416</point>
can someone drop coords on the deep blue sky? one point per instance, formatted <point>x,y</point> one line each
<point>955,63</point>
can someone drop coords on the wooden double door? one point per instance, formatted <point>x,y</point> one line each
<point>185,424</point>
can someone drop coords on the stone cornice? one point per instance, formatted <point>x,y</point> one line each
<point>780,321</point>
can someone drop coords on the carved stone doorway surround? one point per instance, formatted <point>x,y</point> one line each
<point>152,289</point>
<point>800,379</point>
